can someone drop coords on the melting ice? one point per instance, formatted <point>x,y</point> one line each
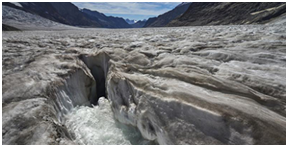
<point>96,125</point>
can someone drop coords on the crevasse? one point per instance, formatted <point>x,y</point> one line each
<point>96,126</point>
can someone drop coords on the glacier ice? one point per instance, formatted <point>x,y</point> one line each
<point>96,126</point>
<point>186,85</point>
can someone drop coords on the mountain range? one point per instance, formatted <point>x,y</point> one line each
<point>131,21</point>
<point>67,13</point>
<point>139,24</point>
<point>229,13</point>
<point>136,23</point>
<point>106,21</point>
<point>185,14</point>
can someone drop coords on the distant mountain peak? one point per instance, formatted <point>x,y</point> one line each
<point>131,21</point>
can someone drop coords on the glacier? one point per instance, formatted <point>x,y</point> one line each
<point>185,85</point>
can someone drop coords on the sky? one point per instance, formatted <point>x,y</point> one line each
<point>130,10</point>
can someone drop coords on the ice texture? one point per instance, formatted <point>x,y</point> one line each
<point>186,85</point>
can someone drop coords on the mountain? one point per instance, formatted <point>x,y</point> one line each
<point>225,13</point>
<point>150,21</point>
<point>27,21</point>
<point>106,21</point>
<point>129,21</point>
<point>165,18</point>
<point>67,13</point>
<point>139,24</point>
<point>183,3</point>
<point>62,12</point>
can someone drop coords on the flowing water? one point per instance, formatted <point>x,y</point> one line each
<point>97,126</point>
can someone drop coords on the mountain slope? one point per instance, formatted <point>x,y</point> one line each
<point>165,18</point>
<point>207,13</point>
<point>61,12</point>
<point>150,21</point>
<point>106,21</point>
<point>71,13</point>
<point>139,24</point>
<point>27,21</point>
<point>68,13</point>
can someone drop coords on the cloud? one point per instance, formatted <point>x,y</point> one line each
<point>128,8</point>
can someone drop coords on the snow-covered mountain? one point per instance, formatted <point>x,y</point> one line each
<point>139,24</point>
<point>65,13</point>
<point>69,14</point>
<point>27,21</point>
<point>130,21</point>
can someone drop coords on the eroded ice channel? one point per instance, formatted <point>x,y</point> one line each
<point>96,126</point>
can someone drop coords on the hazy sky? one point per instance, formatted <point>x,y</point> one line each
<point>131,10</point>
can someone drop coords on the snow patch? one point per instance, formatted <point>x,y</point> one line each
<point>17,4</point>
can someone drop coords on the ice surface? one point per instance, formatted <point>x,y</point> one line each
<point>187,85</point>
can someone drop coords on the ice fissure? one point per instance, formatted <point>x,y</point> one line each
<point>82,106</point>
<point>140,103</point>
<point>98,66</point>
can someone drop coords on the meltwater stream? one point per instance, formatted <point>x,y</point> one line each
<point>96,126</point>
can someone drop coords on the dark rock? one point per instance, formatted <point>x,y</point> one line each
<point>165,18</point>
<point>199,14</point>
<point>150,21</point>
<point>9,28</point>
